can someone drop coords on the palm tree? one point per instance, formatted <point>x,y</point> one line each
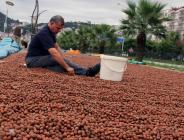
<point>105,34</point>
<point>83,36</point>
<point>93,38</point>
<point>144,18</point>
<point>68,40</point>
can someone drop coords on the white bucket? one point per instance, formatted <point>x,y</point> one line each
<point>112,67</point>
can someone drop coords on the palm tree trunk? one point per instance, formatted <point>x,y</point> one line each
<point>102,47</point>
<point>140,49</point>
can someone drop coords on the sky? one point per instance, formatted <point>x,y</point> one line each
<point>95,11</point>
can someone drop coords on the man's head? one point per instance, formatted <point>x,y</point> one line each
<point>56,23</point>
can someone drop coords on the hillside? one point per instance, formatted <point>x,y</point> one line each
<point>12,22</point>
<point>9,22</point>
<point>73,25</point>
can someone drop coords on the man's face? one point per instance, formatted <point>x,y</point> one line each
<point>56,27</point>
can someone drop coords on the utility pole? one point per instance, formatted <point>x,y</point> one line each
<point>34,18</point>
<point>5,23</point>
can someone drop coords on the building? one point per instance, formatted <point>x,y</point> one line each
<point>177,20</point>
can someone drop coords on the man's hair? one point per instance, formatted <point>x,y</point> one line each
<point>57,19</point>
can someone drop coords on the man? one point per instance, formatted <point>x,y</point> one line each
<point>43,51</point>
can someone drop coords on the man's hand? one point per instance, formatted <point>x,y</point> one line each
<point>60,59</point>
<point>70,71</point>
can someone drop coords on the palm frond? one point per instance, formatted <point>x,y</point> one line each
<point>145,17</point>
<point>130,11</point>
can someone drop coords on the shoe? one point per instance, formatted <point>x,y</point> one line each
<point>92,71</point>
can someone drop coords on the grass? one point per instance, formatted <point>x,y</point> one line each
<point>166,61</point>
<point>165,65</point>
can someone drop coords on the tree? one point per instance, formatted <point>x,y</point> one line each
<point>144,18</point>
<point>105,34</point>
<point>169,44</point>
<point>68,40</point>
<point>84,37</point>
<point>93,38</point>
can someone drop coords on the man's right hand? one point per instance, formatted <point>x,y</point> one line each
<point>70,71</point>
<point>60,59</point>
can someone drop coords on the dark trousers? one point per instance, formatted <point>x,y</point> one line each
<point>48,62</point>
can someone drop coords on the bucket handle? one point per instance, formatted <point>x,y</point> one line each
<point>123,69</point>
